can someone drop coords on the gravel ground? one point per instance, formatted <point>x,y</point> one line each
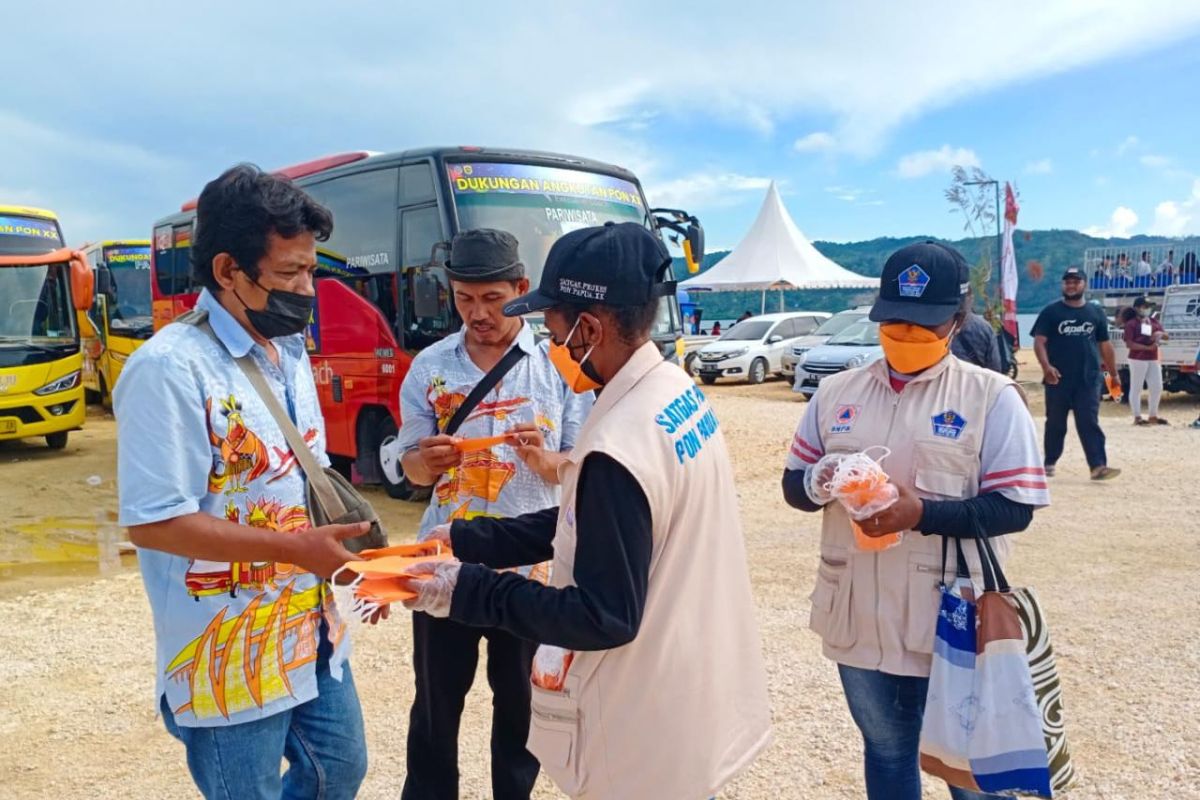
<point>1114,564</point>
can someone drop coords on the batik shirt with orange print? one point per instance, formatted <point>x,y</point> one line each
<point>493,482</point>
<point>236,641</point>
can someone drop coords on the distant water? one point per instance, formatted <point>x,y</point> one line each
<point>1025,326</point>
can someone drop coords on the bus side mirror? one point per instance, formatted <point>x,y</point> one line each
<point>83,282</point>
<point>103,281</point>
<point>693,247</point>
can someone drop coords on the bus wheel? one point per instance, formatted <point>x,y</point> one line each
<point>56,441</point>
<point>105,395</point>
<point>91,397</point>
<point>403,490</point>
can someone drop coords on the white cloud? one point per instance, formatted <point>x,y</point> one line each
<point>705,189</point>
<point>853,194</point>
<point>1178,218</point>
<point>1120,224</point>
<point>1170,219</point>
<point>1043,167</point>
<point>816,142</point>
<point>1155,162</point>
<point>1130,143</point>
<point>920,164</point>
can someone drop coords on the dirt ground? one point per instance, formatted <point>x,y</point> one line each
<point>1115,565</point>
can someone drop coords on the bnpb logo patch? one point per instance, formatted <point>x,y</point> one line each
<point>913,281</point>
<point>948,424</point>
<point>843,419</point>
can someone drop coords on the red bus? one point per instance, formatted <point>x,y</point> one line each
<point>382,293</point>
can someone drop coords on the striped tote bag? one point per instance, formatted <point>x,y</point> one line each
<point>985,727</point>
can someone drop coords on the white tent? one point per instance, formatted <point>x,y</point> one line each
<point>775,255</point>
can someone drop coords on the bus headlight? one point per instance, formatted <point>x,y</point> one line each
<point>68,381</point>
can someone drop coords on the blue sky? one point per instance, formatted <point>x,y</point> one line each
<point>112,118</point>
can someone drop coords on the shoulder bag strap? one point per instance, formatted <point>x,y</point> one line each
<point>484,386</point>
<point>329,499</point>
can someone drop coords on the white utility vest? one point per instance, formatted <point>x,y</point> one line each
<point>878,611</point>
<point>680,710</point>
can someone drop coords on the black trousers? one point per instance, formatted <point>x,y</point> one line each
<point>1083,399</point>
<point>445,655</point>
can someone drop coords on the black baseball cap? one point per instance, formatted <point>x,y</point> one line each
<point>614,264</point>
<point>922,283</point>
<point>1074,273</point>
<point>1142,302</point>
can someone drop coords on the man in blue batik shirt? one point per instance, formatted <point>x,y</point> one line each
<point>250,650</point>
<point>543,416</point>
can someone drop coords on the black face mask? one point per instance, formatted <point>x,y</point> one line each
<point>286,314</point>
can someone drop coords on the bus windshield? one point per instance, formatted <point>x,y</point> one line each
<point>129,303</point>
<point>538,204</point>
<point>35,303</point>
<point>21,235</point>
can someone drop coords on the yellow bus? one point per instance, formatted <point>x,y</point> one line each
<point>42,286</point>
<point>119,321</point>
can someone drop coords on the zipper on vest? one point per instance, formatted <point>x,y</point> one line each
<point>888,442</point>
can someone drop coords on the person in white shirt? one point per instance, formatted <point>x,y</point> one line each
<point>1144,268</point>
<point>1166,270</point>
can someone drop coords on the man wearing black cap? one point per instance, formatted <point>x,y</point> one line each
<point>960,446</point>
<point>647,628</point>
<point>1068,338</point>
<point>542,416</point>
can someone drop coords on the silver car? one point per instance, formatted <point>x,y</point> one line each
<point>856,346</point>
<point>831,327</point>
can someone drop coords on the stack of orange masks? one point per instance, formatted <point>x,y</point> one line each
<point>862,487</point>
<point>380,578</point>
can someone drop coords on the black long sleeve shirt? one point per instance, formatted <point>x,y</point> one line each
<point>612,566</point>
<point>991,513</point>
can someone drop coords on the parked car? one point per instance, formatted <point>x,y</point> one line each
<point>830,327</point>
<point>856,346</point>
<point>755,346</point>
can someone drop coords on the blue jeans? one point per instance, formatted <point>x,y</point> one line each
<point>887,710</point>
<point>322,741</point>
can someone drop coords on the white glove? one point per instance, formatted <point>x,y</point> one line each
<point>819,474</point>
<point>435,592</point>
<point>440,533</point>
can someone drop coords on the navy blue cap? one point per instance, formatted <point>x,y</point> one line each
<point>614,264</point>
<point>923,284</point>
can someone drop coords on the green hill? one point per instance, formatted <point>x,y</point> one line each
<point>1053,250</point>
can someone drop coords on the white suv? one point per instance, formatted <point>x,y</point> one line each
<point>754,347</point>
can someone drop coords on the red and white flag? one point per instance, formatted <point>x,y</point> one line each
<point>1008,265</point>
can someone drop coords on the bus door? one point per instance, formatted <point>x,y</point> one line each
<point>428,313</point>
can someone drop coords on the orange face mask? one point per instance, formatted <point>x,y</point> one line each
<point>911,348</point>
<point>570,369</point>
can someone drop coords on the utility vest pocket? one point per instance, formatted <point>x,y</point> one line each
<point>556,736</point>
<point>924,600</point>
<point>832,615</point>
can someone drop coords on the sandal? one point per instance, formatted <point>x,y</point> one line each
<point>1158,421</point>
<point>1140,421</point>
